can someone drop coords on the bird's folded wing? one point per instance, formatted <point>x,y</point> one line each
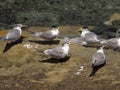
<point>13,34</point>
<point>114,41</point>
<point>90,35</point>
<point>98,56</point>
<point>58,50</point>
<point>47,33</point>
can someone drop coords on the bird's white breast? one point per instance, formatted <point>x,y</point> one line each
<point>55,32</point>
<point>66,48</point>
<point>101,51</point>
<point>19,29</point>
<point>119,42</point>
<point>83,33</point>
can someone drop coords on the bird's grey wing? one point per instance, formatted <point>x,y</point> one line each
<point>98,56</point>
<point>39,34</point>
<point>78,40</point>
<point>57,52</point>
<point>98,59</point>
<point>47,32</point>
<point>48,35</point>
<point>90,35</point>
<point>113,43</point>
<point>113,40</point>
<point>13,34</point>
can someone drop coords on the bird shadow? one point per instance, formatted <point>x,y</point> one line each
<point>11,44</point>
<point>46,42</point>
<point>54,60</point>
<point>95,69</point>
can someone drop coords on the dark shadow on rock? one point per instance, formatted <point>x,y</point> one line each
<point>11,44</point>
<point>93,45</point>
<point>117,49</point>
<point>95,69</point>
<point>53,60</point>
<point>46,42</point>
<point>114,48</point>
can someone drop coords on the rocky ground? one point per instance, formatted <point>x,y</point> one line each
<point>24,66</point>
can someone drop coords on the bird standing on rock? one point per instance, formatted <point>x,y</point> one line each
<point>14,34</point>
<point>48,35</point>
<point>59,52</point>
<point>88,36</point>
<point>98,61</point>
<point>13,37</point>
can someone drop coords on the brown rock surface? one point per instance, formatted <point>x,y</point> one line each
<point>22,67</point>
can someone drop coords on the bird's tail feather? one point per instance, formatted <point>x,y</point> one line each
<point>103,41</point>
<point>67,40</point>
<point>93,72</point>
<point>40,51</point>
<point>36,34</point>
<point>2,38</point>
<point>46,52</point>
<point>96,68</point>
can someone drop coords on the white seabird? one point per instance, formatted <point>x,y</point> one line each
<point>78,40</point>
<point>98,60</point>
<point>59,52</point>
<point>88,36</point>
<point>14,34</point>
<point>49,34</point>
<point>113,43</point>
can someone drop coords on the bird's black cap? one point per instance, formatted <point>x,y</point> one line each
<point>54,26</point>
<point>84,27</point>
